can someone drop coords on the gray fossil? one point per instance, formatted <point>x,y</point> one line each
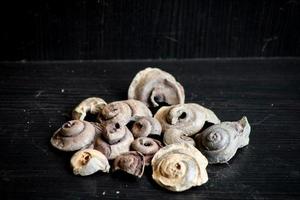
<point>220,142</point>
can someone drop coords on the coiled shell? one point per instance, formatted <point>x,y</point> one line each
<point>73,135</point>
<point>154,86</point>
<point>220,142</point>
<point>178,167</point>
<point>189,118</point>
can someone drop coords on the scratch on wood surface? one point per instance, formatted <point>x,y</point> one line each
<point>262,120</point>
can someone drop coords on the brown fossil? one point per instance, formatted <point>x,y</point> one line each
<point>147,146</point>
<point>123,111</point>
<point>189,118</point>
<point>114,140</point>
<point>73,135</point>
<point>154,86</point>
<point>144,126</point>
<point>131,162</point>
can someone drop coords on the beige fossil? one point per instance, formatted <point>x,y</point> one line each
<point>178,167</point>
<point>88,161</point>
<point>94,105</point>
<point>154,86</point>
<point>144,126</point>
<point>173,135</point>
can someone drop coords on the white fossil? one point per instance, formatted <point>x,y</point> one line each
<point>88,161</point>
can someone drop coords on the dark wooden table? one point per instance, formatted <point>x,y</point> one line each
<point>37,97</point>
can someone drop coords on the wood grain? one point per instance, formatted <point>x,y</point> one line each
<point>107,29</point>
<point>37,97</point>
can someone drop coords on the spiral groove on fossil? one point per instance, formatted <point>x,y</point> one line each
<point>73,135</point>
<point>144,126</point>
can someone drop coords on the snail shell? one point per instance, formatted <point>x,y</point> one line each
<point>132,162</point>
<point>189,118</point>
<point>73,135</point>
<point>154,86</point>
<point>220,142</point>
<point>89,161</point>
<point>172,136</point>
<point>94,105</point>
<point>147,146</point>
<point>112,150</point>
<point>178,167</point>
<point>144,126</point>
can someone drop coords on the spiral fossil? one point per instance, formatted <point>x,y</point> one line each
<point>73,135</point>
<point>220,142</point>
<point>189,118</point>
<point>178,167</point>
<point>154,86</point>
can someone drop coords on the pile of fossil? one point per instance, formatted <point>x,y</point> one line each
<point>178,142</point>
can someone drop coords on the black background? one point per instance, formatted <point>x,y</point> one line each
<point>135,29</point>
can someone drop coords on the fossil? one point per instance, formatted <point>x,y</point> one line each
<point>131,162</point>
<point>113,141</point>
<point>220,142</point>
<point>73,135</point>
<point>94,105</point>
<point>123,111</point>
<point>147,146</point>
<point>88,161</point>
<point>173,135</point>
<point>178,167</point>
<point>189,118</point>
<point>154,86</point>
<point>144,126</point>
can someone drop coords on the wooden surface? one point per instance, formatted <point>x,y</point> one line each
<point>37,98</point>
<point>122,29</point>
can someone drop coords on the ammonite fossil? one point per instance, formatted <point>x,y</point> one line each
<point>178,167</point>
<point>73,135</point>
<point>154,86</point>
<point>220,142</point>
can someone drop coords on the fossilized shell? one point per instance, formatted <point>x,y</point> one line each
<point>172,136</point>
<point>220,142</point>
<point>144,126</point>
<point>94,105</point>
<point>123,111</point>
<point>131,162</point>
<point>189,117</point>
<point>73,135</point>
<point>111,151</point>
<point>178,167</point>
<point>147,146</point>
<point>89,161</point>
<point>154,86</point>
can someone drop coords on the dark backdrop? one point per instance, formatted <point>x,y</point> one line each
<point>106,29</point>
